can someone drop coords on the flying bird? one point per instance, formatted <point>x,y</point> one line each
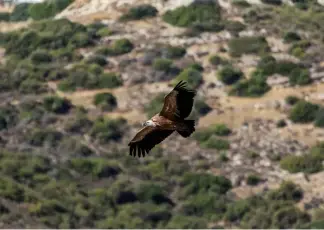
<point>177,106</point>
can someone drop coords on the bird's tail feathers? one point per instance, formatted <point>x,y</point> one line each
<point>190,128</point>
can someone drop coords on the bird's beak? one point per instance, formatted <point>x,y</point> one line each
<point>143,124</point>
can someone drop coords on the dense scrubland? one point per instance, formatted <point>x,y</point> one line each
<point>67,166</point>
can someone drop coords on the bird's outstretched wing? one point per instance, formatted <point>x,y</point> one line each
<point>146,139</point>
<point>178,103</point>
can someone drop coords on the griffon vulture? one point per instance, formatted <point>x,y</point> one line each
<point>177,106</point>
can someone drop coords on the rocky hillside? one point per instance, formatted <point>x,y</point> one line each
<point>76,87</point>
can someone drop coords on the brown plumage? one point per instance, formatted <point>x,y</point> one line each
<point>177,106</point>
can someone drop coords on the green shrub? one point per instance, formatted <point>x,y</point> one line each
<point>110,80</point>
<point>173,52</point>
<point>250,88</point>
<point>40,56</point>
<point>281,123</point>
<point>97,59</point>
<point>217,60</point>
<point>306,163</point>
<point>4,16</point>
<point>199,13</point>
<point>191,76</point>
<point>218,129</point>
<point>289,217</point>
<point>162,64</point>
<point>57,104</point>
<point>300,77</point>
<point>241,3</point>
<point>229,75</point>
<point>40,137</point>
<point>13,191</point>
<point>186,222</point>
<point>140,12</point>
<point>88,77</point>
<point>292,100</point>
<point>106,130</point>
<point>291,36</point>
<point>96,167</point>
<point>47,9</point>
<point>202,183</point>
<point>216,143</point>
<point>201,107</point>
<point>197,67</point>
<point>32,86</point>
<point>319,118</point>
<point>104,32</point>
<point>248,45</point>
<point>119,47</point>
<point>253,179</point>
<point>106,101</point>
<point>234,27</point>
<point>272,2</point>
<point>299,48</point>
<point>303,112</point>
<point>80,40</point>
<point>8,117</point>
<point>20,12</point>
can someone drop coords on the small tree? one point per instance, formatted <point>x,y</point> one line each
<point>229,75</point>
<point>303,112</point>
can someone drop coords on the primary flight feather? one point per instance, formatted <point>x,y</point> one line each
<point>177,106</point>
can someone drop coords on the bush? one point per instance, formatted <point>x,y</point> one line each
<point>292,100</point>
<point>57,104</point>
<point>300,77</point>
<point>216,143</point>
<point>110,80</point>
<point>248,45</point>
<point>241,3</point>
<point>229,75</point>
<point>197,13</point>
<point>250,88</point>
<point>289,217</point>
<point>173,52</point>
<point>191,76</point>
<point>319,118</point>
<point>253,179</point>
<point>218,129</point>
<point>119,47</point>
<point>40,56</point>
<point>80,40</point>
<point>291,37</point>
<point>307,163</point>
<point>201,107</point>
<point>32,86</point>
<point>45,136</point>
<point>140,12</point>
<point>97,59</point>
<point>281,123</point>
<point>161,64</point>
<point>88,77</point>
<point>272,2</point>
<point>96,167</point>
<point>104,32</point>
<point>217,60</point>
<point>303,112</point>
<point>106,101</point>
<point>234,27</point>
<point>4,16</point>
<point>47,9</point>
<point>20,12</point>
<point>106,130</point>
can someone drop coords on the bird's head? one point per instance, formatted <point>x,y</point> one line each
<point>149,123</point>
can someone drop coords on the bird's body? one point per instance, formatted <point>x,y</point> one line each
<point>177,106</point>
